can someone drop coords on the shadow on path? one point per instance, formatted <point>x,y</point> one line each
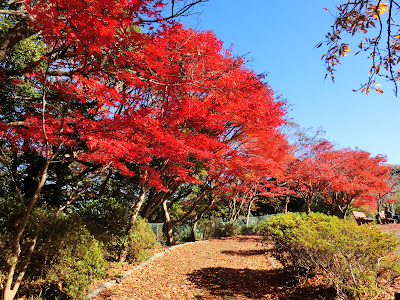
<point>248,238</point>
<point>244,252</point>
<point>254,284</point>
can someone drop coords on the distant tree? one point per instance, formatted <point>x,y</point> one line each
<point>391,195</point>
<point>357,178</point>
<point>310,174</point>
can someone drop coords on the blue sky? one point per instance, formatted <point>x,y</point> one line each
<point>280,38</point>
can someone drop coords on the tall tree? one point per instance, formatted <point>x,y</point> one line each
<point>151,105</point>
<point>74,96</point>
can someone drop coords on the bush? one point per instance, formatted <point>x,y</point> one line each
<point>210,228</point>
<point>353,257</point>
<point>72,259</point>
<point>142,238</point>
<point>251,229</point>
<point>215,228</point>
<point>107,219</point>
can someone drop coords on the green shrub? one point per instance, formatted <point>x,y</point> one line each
<point>142,239</point>
<point>215,228</point>
<point>353,257</point>
<point>249,229</point>
<point>72,259</point>
<point>232,229</point>
<point>210,228</point>
<point>107,219</point>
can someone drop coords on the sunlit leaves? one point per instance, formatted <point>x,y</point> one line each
<point>379,9</point>
<point>174,96</point>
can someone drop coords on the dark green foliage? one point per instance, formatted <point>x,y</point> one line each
<point>353,257</point>
<point>5,254</point>
<point>107,219</point>
<point>211,227</point>
<point>215,228</point>
<point>68,259</point>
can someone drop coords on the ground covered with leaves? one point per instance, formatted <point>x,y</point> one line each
<point>229,268</point>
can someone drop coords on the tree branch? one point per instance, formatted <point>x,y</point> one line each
<point>16,34</point>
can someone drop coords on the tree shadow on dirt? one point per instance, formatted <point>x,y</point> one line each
<point>248,238</point>
<point>228,283</point>
<point>244,252</point>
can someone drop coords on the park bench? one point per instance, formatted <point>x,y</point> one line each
<point>385,220</point>
<point>361,218</point>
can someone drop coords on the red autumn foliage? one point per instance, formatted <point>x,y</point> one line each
<point>359,177</point>
<point>156,104</point>
<point>310,174</point>
<point>341,177</point>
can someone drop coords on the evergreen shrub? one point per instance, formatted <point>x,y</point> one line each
<point>142,239</point>
<point>72,259</point>
<point>210,228</point>
<point>107,219</point>
<point>215,228</point>
<point>354,258</point>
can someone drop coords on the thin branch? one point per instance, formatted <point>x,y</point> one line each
<point>389,48</point>
<point>14,12</point>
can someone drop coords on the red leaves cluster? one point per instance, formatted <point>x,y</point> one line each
<point>161,100</point>
<point>342,177</point>
<point>90,25</point>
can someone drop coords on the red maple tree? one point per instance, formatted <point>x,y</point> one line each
<point>163,101</point>
<point>358,177</point>
<point>310,174</point>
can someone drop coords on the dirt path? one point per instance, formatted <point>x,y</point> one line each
<point>230,268</point>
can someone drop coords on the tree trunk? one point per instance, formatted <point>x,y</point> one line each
<point>285,205</point>
<point>199,217</point>
<point>11,287</point>
<point>341,213</point>
<point>345,209</point>
<point>156,199</point>
<point>248,213</point>
<point>16,34</point>
<point>308,206</point>
<point>169,226</point>
<point>193,233</point>
<point>134,213</point>
<point>236,211</point>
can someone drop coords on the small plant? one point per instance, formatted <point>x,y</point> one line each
<point>353,257</point>
<point>211,228</point>
<point>232,229</point>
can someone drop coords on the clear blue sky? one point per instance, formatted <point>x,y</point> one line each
<point>280,38</point>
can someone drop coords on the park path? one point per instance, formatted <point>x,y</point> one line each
<point>226,269</point>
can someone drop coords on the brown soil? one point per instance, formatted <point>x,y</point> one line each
<point>229,268</point>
